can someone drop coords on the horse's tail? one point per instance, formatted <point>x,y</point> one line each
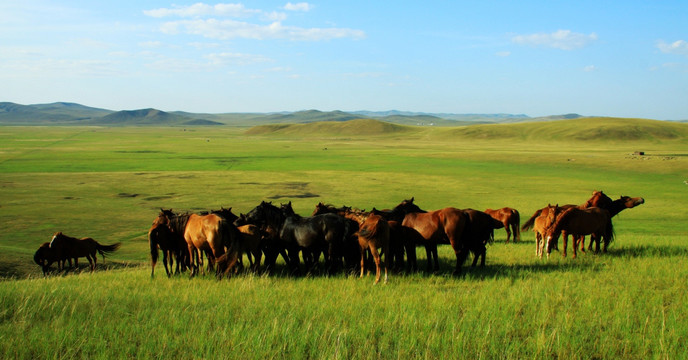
<point>153,242</point>
<point>517,221</point>
<point>109,249</point>
<point>609,231</point>
<point>529,223</point>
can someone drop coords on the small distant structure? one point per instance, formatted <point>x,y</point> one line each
<point>639,153</point>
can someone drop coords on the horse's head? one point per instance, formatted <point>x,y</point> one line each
<point>322,209</point>
<point>261,214</point>
<point>407,207</point>
<point>226,214</point>
<point>287,210</point>
<point>163,217</point>
<point>630,202</point>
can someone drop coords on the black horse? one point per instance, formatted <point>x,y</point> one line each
<point>310,235</point>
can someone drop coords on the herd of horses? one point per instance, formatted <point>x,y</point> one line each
<point>353,239</point>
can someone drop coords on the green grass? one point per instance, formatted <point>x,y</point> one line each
<point>108,183</point>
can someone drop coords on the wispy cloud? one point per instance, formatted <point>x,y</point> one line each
<point>302,6</point>
<point>560,39</point>
<point>590,68</point>
<point>230,29</point>
<point>220,22</point>
<point>201,9</point>
<point>679,47</point>
<point>503,53</point>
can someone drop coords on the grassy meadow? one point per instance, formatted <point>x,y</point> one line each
<point>109,184</point>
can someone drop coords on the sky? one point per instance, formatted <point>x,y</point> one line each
<point>539,58</point>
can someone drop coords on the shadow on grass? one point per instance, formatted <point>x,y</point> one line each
<point>647,251</point>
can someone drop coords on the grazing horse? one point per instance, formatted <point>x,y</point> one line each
<point>45,256</point>
<point>437,227</point>
<point>478,232</point>
<point>66,247</point>
<point>510,219</point>
<point>595,222</point>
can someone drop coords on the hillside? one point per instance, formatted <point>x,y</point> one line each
<point>358,127</point>
<point>60,112</point>
<point>583,129</point>
<point>149,117</point>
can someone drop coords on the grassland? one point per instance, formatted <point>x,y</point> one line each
<point>108,183</point>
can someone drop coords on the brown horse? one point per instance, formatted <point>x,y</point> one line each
<point>373,234</point>
<point>595,222</point>
<point>209,234</point>
<point>601,200</point>
<point>542,224</point>
<point>437,227</point>
<point>170,242</point>
<point>511,220</point>
<point>65,247</point>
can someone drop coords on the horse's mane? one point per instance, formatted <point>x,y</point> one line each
<point>598,199</point>
<point>178,222</point>
<point>561,218</point>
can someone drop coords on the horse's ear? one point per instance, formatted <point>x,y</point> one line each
<point>413,198</point>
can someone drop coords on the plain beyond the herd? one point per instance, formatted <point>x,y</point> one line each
<point>348,239</point>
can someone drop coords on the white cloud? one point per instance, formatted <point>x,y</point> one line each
<point>560,39</point>
<point>679,47</point>
<point>590,68</point>
<point>230,29</point>
<point>201,9</point>
<point>235,58</point>
<point>206,20</point>
<point>503,53</point>
<point>302,6</point>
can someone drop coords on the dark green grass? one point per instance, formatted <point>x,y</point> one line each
<point>109,183</point>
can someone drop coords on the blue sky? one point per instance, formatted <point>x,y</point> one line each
<point>607,58</point>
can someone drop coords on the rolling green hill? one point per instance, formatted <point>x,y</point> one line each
<point>612,129</point>
<point>358,127</point>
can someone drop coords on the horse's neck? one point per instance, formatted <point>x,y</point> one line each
<point>616,207</point>
<point>178,223</point>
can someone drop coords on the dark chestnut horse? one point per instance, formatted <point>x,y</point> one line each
<point>373,235</point>
<point>45,256</point>
<point>66,247</point>
<point>478,232</point>
<point>170,240</point>
<point>269,220</point>
<point>437,227</point>
<point>595,222</point>
<point>510,219</point>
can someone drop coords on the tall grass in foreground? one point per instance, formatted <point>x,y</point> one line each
<point>629,303</point>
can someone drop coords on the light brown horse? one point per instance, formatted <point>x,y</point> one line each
<point>373,235</point>
<point>437,227</point>
<point>209,234</point>
<point>541,225</point>
<point>511,220</point>
<point>65,247</point>
<point>595,222</point>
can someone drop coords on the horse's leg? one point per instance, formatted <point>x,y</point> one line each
<point>582,243</point>
<point>576,239</point>
<point>376,257</point>
<point>566,245</point>
<point>508,232</point>
<point>363,252</point>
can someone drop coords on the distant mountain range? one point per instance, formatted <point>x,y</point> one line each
<point>64,113</point>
